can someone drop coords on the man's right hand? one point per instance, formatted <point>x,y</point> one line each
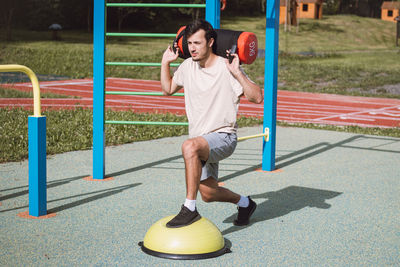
<point>169,55</point>
<point>168,86</point>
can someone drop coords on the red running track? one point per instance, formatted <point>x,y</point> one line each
<point>292,106</point>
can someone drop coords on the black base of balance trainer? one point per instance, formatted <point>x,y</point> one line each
<point>199,240</point>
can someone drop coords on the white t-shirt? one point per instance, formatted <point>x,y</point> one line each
<point>211,96</point>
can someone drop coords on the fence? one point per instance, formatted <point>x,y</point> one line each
<point>37,146</point>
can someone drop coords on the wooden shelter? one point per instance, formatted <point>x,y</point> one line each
<point>309,9</point>
<point>390,10</point>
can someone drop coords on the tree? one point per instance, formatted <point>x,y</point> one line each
<point>9,9</point>
<point>291,13</point>
<point>43,13</point>
<point>370,8</point>
<point>121,14</point>
<point>76,14</point>
<point>193,12</point>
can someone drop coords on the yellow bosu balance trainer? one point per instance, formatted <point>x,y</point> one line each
<point>199,240</point>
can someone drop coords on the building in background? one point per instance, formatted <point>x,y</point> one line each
<point>299,9</point>
<point>309,9</point>
<point>390,10</point>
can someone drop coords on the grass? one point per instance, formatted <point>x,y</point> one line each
<point>348,74</point>
<point>346,55</point>
<point>341,33</point>
<point>71,130</point>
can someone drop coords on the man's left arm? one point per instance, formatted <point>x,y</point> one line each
<point>250,89</point>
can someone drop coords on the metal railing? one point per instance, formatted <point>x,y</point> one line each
<point>140,93</point>
<point>36,146</point>
<point>155,5</point>
<point>140,64</point>
<point>34,81</point>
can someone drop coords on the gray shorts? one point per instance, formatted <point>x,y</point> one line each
<point>221,146</point>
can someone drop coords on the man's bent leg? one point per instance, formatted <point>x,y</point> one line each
<point>194,151</point>
<point>210,191</point>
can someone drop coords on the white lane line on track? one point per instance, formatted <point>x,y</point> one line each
<point>391,114</point>
<point>309,113</point>
<point>341,99</point>
<point>354,113</point>
<point>323,106</point>
<point>375,117</point>
<point>355,118</point>
<point>337,123</point>
<point>341,116</point>
<point>305,111</point>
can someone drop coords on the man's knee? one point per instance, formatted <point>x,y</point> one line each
<point>194,148</point>
<point>189,149</point>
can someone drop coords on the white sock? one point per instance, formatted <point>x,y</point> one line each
<point>243,202</point>
<point>190,204</point>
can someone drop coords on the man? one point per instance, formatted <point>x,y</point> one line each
<point>213,87</point>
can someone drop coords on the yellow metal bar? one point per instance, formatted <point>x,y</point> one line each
<point>34,81</point>
<point>265,135</point>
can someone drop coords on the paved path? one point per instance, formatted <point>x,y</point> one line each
<point>334,202</point>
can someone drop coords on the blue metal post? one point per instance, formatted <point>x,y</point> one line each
<point>37,166</point>
<point>213,12</point>
<point>99,29</point>
<point>270,82</point>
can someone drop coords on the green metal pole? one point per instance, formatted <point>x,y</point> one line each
<point>165,123</point>
<point>141,64</point>
<point>154,5</point>
<point>140,93</point>
<point>140,34</point>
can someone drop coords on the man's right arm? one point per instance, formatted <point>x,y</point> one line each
<point>168,85</point>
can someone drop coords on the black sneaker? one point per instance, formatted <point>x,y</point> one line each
<point>244,214</point>
<point>185,217</point>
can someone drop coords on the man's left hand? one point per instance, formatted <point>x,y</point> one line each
<point>233,67</point>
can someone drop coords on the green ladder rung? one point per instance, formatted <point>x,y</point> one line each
<point>142,64</point>
<point>165,123</point>
<point>137,34</point>
<point>154,5</point>
<point>140,93</point>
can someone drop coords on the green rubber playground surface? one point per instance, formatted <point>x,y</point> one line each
<point>333,201</point>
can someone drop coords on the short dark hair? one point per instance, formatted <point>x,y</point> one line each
<point>201,24</point>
